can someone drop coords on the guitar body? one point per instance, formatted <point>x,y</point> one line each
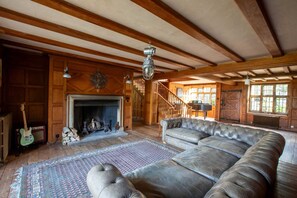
<point>26,137</point>
<point>26,134</point>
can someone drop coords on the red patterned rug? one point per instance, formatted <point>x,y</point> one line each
<point>66,177</point>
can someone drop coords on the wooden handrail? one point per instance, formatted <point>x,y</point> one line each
<point>171,106</point>
<point>176,97</point>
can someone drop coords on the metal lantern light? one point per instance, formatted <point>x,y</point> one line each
<point>148,66</point>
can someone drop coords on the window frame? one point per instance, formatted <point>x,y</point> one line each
<point>274,96</point>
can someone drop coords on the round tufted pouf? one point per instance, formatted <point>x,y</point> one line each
<point>106,181</point>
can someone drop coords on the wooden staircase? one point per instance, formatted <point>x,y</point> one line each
<point>138,99</point>
<point>170,105</point>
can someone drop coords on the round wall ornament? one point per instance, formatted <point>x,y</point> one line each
<point>99,80</point>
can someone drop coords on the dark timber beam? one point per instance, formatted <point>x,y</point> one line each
<point>169,15</point>
<point>10,14</point>
<point>80,13</point>
<point>60,53</point>
<point>256,15</point>
<point>69,46</point>
<point>275,76</point>
<point>264,63</point>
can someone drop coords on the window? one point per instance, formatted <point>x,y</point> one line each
<point>205,94</point>
<point>269,98</point>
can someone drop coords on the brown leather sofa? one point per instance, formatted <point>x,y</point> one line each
<point>226,161</point>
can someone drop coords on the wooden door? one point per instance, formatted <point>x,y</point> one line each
<point>230,105</point>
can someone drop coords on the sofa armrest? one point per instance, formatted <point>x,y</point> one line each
<point>169,124</point>
<point>106,181</point>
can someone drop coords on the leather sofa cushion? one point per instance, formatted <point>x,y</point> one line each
<point>240,133</point>
<point>168,179</point>
<point>233,147</point>
<point>188,135</point>
<point>239,182</point>
<point>179,143</point>
<point>206,161</point>
<point>199,125</point>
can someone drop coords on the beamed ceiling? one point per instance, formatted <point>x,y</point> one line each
<point>197,41</point>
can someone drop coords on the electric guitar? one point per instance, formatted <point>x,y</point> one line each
<point>26,134</point>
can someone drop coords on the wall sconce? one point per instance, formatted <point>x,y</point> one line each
<point>148,63</point>
<point>66,73</point>
<point>127,98</point>
<point>128,79</point>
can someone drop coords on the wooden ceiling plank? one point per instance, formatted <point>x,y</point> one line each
<point>169,15</point>
<point>80,13</point>
<point>220,80</point>
<point>10,14</point>
<point>263,63</point>
<point>286,70</point>
<point>257,17</point>
<point>275,75</point>
<point>267,71</point>
<point>238,74</point>
<point>60,53</point>
<point>69,46</point>
<point>251,73</point>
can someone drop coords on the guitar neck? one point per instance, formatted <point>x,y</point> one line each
<point>25,121</point>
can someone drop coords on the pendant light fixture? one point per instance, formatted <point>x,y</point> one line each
<point>148,66</point>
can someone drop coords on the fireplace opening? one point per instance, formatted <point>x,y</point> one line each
<point>95,115</point>
<point>91,113</point>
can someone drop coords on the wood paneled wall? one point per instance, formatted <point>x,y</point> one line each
<point>25,79</point>
<point>292,123</point>
<point>80,83</point>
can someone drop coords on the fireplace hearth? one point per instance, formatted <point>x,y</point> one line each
<point>91,113</point>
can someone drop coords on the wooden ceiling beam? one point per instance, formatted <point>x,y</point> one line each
<point>9,14</point>
<point>69,46</point>
<point>238,74</point>
<point>263,63</point>
<point>163,11</point>
<point>250,73</point>
<point>60,53</point>
<point>267,71</point>
<point>217,79</point>
<point>286,70</point>
<point>80,13</point>
<point>257,17</point>
<point>276,75</point>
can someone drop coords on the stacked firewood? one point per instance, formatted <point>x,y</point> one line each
<point>69,135</point>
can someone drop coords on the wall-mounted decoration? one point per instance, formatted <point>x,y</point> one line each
<point>99,80</point>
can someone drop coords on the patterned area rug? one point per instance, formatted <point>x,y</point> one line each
<point>66,177</point>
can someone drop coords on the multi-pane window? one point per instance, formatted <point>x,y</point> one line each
<point>269,98</point>
<point>205,95</point>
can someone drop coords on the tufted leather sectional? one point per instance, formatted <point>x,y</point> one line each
<point>220,160</point>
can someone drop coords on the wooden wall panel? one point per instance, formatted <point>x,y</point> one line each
<point>56,99</point>
<point>26,80</point>
<point>80,83</point>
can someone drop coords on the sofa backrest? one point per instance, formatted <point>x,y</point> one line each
<point>239,133</point>
<point>254,173</point>
<point>199,125</point>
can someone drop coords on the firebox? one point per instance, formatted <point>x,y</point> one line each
<point>88,113</point>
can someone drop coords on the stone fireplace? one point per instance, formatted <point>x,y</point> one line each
<point>86,111</point>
